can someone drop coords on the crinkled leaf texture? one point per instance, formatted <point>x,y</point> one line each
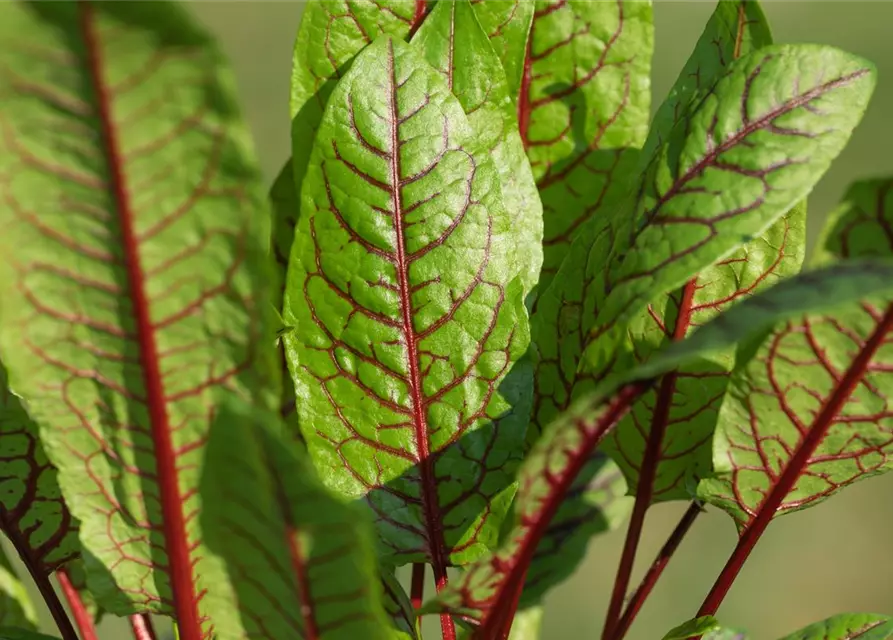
<point>583,107</point>
<point>456,45</point>
<point>788,392</point>
<point>847,626</point>
<point>755,144</point>
<point>681,411</point>
<point>557,457</point>
<point>406,302</point>
<point>507,24</point>
<point>16,609</point>
<point>300,563</point>
<point>135,252</point>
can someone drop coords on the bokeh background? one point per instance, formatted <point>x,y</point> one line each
<point>833,558</point>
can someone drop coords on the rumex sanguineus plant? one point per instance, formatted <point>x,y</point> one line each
<point>486,297</point>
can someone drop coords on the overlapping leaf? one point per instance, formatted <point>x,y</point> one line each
<point>785,417</point>
<point>558,456</point>
<point>16,609</point>
<point>847,626</point>
<point>407,312</point>
<point>507,25</point>
<point>681,412</point>
<point>134,277</point>
<point>32,513</point>
<point>12,633</point>
<point>454,43</point>
<point>398,607</point>
<point>583,107</point>
<point>300,563</point>
<point>754,144</point>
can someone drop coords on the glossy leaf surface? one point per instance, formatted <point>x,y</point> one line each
<point>407,312</point>
<point>847,626</point>
<point>16,609</point>
<point>681,411</point>
<point>134,272</point>
<point>300,563</point>
<point>583,106</point>
<point>776,411</point>
<point>507,25</point>
<point>755,144</point>
<point>454,43</point>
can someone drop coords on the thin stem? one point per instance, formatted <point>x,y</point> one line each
<point>82,617</point>
<point>648,470</point>
<point>142,627</point>
<point>510,612</point>
<point>814,436</point>
<point>417,590</point>
<point>655,570</point>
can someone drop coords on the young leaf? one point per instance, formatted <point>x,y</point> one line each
<point>16,609</point>
<point>507,25</point>
<point>847,626</point>
<point>406,321</point>
<point>754,145</point>
<point>558,456</point>
<point>582,107</point>
<point>693,628</point>
<point>300,563</point>
<point>454,43</point>
<point>134,271</point>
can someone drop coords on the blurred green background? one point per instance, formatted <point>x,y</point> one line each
<point>833,558</point>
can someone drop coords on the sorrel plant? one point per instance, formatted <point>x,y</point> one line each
<point>485,298</point>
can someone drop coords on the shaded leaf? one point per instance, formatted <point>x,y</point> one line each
<point>847,626</point>
<point>454,43</point>
<point>134,271</point>
<point>507,25</point>
<point>753,146</point>
<point>407,313</point>
<point>12,633</point>
<point>398,607</point>
<point>862,226</point>
<point>583,106</point>
<point>300,564</point>
<point>16,609</point>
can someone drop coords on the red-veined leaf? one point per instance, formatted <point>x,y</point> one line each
<point>507,25</point>
<point>135,272</point>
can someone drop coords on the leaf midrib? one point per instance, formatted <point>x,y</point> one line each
<point>174,526</point>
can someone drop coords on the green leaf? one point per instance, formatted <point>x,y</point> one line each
<point>527,624</point>
<point>11,633</point>
<point>583,108</point>
<point>332,32</point>
<point>507,24</point>
<point>559,455</point>
<point>33,515</point>
<point>862,226</point>
<point>15,604</point>
<point>693,628</point>
<point>300,564</point>
<point>847,626</point>
<point>454,43</point>
<point>678,418</point>
<point>753,146</point>
<point>135,269</point>
<point>408,314</point>
<point>398,607</point>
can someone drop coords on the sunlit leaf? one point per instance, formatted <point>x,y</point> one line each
<point>134,277</point>
<point>300,563</point>
<point>507,24</point>
<point>454,43</point>
<point>407,313</point>
<point>847,626</point>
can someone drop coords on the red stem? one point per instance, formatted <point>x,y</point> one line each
<point>176,539</point>
<point>417,590</point>
<point>561,482</point>
<point>655,571</point>
<point>508,616</point>
<point>82,618</point>
<point>421,10</point>
<point>142,627</point>
<point>648,471</point>
<point>795,467</point>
